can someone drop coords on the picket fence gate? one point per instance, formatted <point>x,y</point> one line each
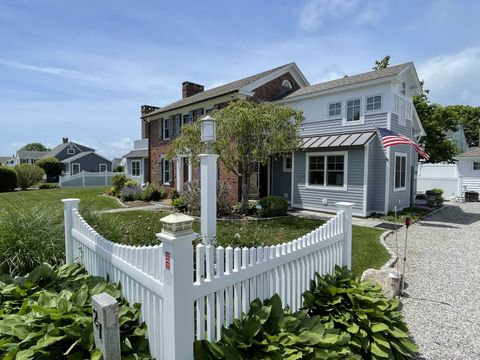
<point>182,300</point>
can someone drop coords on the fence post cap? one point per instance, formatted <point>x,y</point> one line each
<point>176,225</point>
<point>343,204</point>
<point>71,201</point>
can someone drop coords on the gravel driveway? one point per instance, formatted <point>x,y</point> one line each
<point>442,307</point>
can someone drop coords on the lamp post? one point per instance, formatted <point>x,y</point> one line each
<point>208,182</point>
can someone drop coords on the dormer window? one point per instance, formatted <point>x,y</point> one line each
<point>71,151</point>
<point>287,84</point>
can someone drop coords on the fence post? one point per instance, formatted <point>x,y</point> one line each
<point>177,262</point>
<point>347,230</point>
<point>68,206</point>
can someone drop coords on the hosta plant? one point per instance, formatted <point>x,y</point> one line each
<point>269,331</point>
<point>48,315</point>
<point>374,323</point>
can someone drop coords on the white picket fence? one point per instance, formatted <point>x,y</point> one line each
<point>180,307</point>
<point>85,179</point>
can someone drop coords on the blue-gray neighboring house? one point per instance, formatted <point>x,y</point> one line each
<point>341,156</point>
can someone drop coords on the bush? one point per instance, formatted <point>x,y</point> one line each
<point>179,204</point>
<point>28,175</point>
<point>48,315</point>
<point>268,331</point>
<point>52,167</point>
<point>152,193</point>
<point>118,182</point>
<point>49,186</point>
<point>434,197</point>
<point>376,327</point>
<point>238,208</point>
<point>119,169</point>
<point>273,206</point>
<point>191,197</point>
<point>8,178</point>
<point>131,193</point>
<point>29,236</point>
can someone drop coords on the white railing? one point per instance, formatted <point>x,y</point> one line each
<point>84,178</point>
<point>180,307</point>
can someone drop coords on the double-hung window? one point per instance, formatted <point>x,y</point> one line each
<point>374,103</point>
<point>327,170</point>
<point>400,171</point>
<point>353,110</point>
<point>167,172</point>
<point>476,165</point>
<point>135,168</point>
<point>335,109</point>
<point>287,162</point>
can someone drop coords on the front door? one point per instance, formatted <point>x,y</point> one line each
<point>75,169</point>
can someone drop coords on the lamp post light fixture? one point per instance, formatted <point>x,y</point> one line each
<point>208,182</point>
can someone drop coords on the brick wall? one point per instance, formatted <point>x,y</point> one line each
<point>273,90</point>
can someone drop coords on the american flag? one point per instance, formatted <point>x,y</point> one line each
<point>391,138</point>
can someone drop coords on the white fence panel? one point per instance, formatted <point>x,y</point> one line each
<point>441,176</point>
<point>86,179</point>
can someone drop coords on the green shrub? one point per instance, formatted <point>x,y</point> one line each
<point>179,204</point>
<point>152,193</point>
<point>48,315</point>
<point>273,206</point>
<point>52,167</point>
<point>376,327</point>
<point>28,175</point>
<point>118,182</point>
<point>434,197</point>
<point>30,235</point>
<point>268,331</point>
<point>49,186</point>
<point>8,178</point>
<point>238,208</point>
<point>119,169</point>
<point>191,197</point>
<point>131,193</point>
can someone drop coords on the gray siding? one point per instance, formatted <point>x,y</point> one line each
<point>376,176</point>
<point>311,198</point>
<point>330,126</point>
<point>91,163</point>
<point>281,182</point>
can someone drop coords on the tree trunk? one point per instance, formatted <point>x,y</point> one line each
<point>245,193</point>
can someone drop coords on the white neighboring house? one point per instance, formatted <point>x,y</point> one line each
<point>458,137</point>
<point>137,163</point>
<point>7,161</point>
<point>468,165</point>
<point>28,157</point>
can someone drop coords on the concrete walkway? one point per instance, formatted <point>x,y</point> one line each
<point>442,303</point>
<point>154,206</point>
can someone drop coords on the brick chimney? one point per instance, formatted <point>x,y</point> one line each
<point>189,89</point>
<point>144,110</point>
<point>65,140</point>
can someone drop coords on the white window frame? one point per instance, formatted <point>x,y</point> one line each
<point>285,168</point>
<point>71,170</point>
<point>132,169</point>
<point>405,156</point>
<point>71,151</point>
<point>327,187</point>
<point>100,167</point>
<point>476,163</point>
<point>374,110</point>
<point>341,109</point>
<point>353,122</point>
<point>165,128</point>
<point>165,171</point>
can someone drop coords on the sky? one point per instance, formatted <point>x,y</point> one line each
<point>82,68</point>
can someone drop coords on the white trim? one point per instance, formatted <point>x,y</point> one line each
<point>365,177</point>
<point>70,153</point>
<point>473,165</point>
<point>269,175</point>
<point>341,109</point>
<point>325,209</point>
<point>100,167</point>
<point>405,156</point>
<point>326,187</point>
<point>387,173</point>
<point>361,119</point>
<point>71,168</point>
<point>293,177</point>
<point>381,110</point>
<point>284,157</point>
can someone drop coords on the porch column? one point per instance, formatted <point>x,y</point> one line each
<point>180,180</point>
<point>190,176</point>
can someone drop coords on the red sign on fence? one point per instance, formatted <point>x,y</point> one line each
<point>167,260</point>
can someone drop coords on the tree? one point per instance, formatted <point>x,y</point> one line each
<point>247,134</point>
<point>35,147</point>
<point>52,167</point>
<point>382,64</point>
<point>28,175</point>
<point>469,117</point>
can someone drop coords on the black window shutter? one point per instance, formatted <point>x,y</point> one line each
<point>160,128</point>
<point>160,171</point>
<point>178,124</point>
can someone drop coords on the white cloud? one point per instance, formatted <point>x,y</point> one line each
<point>453,78</point>
<point>314,12</point>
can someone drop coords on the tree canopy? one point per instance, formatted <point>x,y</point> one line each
<point>382,64</point>
<point>248,133</point>
<point>51,165</point>
<point>35,147</point>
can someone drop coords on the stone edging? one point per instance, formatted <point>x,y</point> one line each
<point>115,198</point>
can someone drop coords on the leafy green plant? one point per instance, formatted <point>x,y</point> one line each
<point>29,236</point>
<point>268,331</point>
<point>48,314</point>
<point>376,327</point>
<point>49,186</point>
<point>152,193</point>
<point>28,175</point>
<point>118,182</point>
<point>52,167</point>
<point>273,206</point>
<point>179,204</point>
<point>434,197</point>
<point>8,178</point>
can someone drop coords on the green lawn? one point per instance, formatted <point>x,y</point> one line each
<point>91,197</point>
<point>139,227</point>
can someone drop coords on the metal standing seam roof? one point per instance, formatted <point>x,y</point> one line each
<point>349,80</point>
<point>337,140</point>
<point>216,91</point>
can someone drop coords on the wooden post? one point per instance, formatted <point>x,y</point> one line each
<point>68,206</point>
<point>347,230</point>
<point>177,237</point>
<point>106,327</point>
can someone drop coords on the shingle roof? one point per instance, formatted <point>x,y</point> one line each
<point>216,91</point>
<point>470,153</point>
<point>137,154</point>
<point>57,149</point>
<point>31,154</point>
<point>4,159</point>
<point>349,80</point>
